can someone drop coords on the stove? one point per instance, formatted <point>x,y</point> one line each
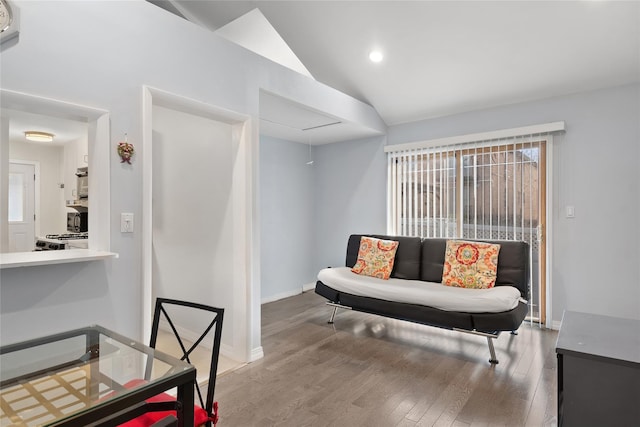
<point>58,242</point>
<point>68,236</point>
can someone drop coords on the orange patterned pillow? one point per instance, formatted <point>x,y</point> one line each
<point>375,257</point>
<point>470,264</point>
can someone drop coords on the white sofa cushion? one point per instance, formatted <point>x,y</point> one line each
<point>436,295</point>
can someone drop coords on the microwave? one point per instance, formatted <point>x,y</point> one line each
<point>77,222</point>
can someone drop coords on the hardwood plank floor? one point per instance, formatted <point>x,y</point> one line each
<point>367,370</point>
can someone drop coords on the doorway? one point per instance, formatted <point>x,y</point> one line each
<point>196,237</point>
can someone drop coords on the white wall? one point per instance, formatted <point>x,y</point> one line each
<point>52,205</point>
<point>192,224</point>
<point>595,168</point>
<point>100,54</point>
<point>287,218</point>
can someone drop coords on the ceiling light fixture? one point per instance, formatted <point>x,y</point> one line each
<point>37,136</point>
<point>376,56</point>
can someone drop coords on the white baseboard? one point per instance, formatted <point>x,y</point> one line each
<point>308,286</point>
<point>555,324</point>
<point>256,353</point>
<point>280,296</point>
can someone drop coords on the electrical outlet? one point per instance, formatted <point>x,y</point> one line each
<point>126,223</point>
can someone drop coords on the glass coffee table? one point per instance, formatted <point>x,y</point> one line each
<point>88,376</point>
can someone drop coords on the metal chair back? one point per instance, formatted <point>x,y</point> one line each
<point>162,310</point>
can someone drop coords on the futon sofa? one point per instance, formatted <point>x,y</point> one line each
<point>419,264</point>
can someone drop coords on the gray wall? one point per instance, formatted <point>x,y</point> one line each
<point>287,218</point>
<point>350,195</point>
<point>308,211</point>
<point>595,168</point>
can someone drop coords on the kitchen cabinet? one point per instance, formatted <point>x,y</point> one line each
<point>69,170</point>
<point>76,155</point>
<point>82,153</point>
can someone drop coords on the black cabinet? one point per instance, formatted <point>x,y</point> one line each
<point>598,371</point>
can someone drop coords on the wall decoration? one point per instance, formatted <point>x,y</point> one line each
<point>125,150</point>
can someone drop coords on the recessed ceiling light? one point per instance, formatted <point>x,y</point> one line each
<point>37,136</point>
<point>376,56</point>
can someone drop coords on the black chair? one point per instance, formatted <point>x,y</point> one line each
<point>206,413</point>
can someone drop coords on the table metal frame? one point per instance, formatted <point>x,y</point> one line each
<point>119,407</point>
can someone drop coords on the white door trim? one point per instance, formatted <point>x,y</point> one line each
<point>548,239</point>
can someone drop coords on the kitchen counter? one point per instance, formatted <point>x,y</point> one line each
<point>27,259</point>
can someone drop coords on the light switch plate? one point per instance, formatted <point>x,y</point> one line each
<point>571,212</point>
<point>126,222</point>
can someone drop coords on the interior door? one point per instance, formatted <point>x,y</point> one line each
<point>21,207</point>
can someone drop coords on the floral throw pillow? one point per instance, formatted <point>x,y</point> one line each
<point>375,257</point>
<point>470,264</point>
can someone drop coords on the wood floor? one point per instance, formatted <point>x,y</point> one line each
<point>366,370</point>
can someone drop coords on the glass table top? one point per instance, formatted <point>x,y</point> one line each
<point>47,380</point>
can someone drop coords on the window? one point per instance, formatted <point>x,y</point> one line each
<point>486,190</point>
<point>16,197</point>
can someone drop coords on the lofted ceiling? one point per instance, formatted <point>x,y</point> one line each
<point>441,57</point>
<point>448,57</point>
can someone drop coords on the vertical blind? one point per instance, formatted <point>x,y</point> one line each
<point>471,190</point>
<point>490,189</point>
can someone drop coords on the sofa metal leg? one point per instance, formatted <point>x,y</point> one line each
<point>492,350</point>
<point>490,336</point>
<point>336,306</point>
<point>333,314</point>
<point>514,332</point>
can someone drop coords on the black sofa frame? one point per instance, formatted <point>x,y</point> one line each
<point>423,259</point>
